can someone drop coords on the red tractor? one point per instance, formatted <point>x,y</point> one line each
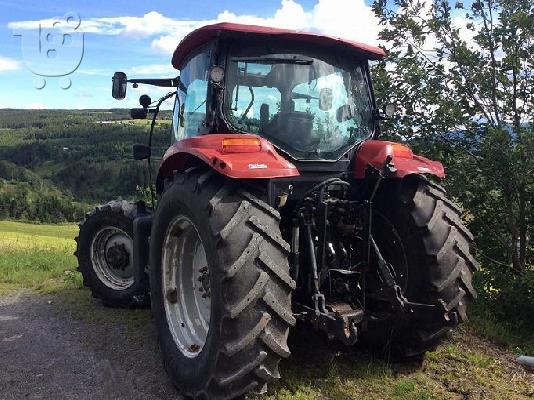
<point>277,203</point>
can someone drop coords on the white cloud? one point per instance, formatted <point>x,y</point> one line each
<point>290,15</point>
<point>153,69</point>
<point>8,64</point>
<point>350,19</point>
<point>150,24</point>
<point>167,43</point>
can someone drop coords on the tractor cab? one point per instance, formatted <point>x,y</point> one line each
<point>308,95</point>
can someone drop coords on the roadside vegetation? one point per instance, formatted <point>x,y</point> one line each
<point>461,75</point>
<point>38,257</point>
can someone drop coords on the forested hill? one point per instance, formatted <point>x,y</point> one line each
<point>55,164</point>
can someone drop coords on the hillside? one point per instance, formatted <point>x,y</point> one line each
<point>51,157</point>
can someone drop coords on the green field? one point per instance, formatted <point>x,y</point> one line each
<point>39,257</point>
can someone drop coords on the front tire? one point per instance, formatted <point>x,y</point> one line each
<point>104,248</point>
<point>246,277</point>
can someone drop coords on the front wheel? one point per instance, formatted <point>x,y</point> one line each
<point>220,288</point>
<point>104,248</point>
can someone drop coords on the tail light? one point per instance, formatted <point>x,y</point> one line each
<point>241,145</point>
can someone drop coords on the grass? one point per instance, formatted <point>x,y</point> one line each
<point>520,341</point>
<point>40,257</point>
<point>466,367</point>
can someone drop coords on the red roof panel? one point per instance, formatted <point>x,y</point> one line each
<point>204,34</point>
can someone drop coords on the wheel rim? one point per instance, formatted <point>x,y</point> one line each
<point>393,250</point>
<point>186,286</point>
<point>111,256</point>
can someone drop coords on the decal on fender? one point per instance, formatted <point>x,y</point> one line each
<point>257,166</point>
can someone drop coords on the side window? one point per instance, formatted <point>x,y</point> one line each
<point>190,111</point>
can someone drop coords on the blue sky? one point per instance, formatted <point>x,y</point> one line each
<point>135,37</point>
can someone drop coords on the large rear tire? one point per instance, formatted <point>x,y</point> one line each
<point>229,343</point>
<point>104,248</point>
<point>439,265</point>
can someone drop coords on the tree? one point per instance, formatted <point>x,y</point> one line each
<point>463,77</point>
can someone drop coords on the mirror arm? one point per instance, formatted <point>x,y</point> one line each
<point>174,82</point>
<point>156,82</point>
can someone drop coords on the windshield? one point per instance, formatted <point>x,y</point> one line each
<point>313,108</point>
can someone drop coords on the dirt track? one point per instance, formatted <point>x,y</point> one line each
<point>46,354</point>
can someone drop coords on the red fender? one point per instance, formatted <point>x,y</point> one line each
<point>374,152</point>
<point>241,156</point>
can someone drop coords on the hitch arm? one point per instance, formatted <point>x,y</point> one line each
<point>401,303</point>
<point>385,272</point>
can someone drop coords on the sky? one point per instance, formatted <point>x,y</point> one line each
<point>62,54</point>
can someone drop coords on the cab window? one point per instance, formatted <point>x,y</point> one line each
<point>190,109</point>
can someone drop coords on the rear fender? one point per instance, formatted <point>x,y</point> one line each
<point>239,156</point>
<point>374,153</point>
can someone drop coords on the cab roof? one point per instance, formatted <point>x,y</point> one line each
<point>206,33</point>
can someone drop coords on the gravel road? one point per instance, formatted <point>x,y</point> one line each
<point>45,353</point>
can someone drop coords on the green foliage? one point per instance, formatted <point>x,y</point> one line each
<point>25,195</point>
<point>512,299</point>
<point>501,330</point>
<point>51,157</point>
<point>144,193</point>
<point>462,74</point>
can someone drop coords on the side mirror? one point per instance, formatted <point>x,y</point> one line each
<point>390,109</point>
<point>141,151</point>
<point>325,99</point>
<point>120,82</point>
<point>138,113</point>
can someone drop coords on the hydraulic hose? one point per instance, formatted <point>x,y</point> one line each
<point>152,125</point>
